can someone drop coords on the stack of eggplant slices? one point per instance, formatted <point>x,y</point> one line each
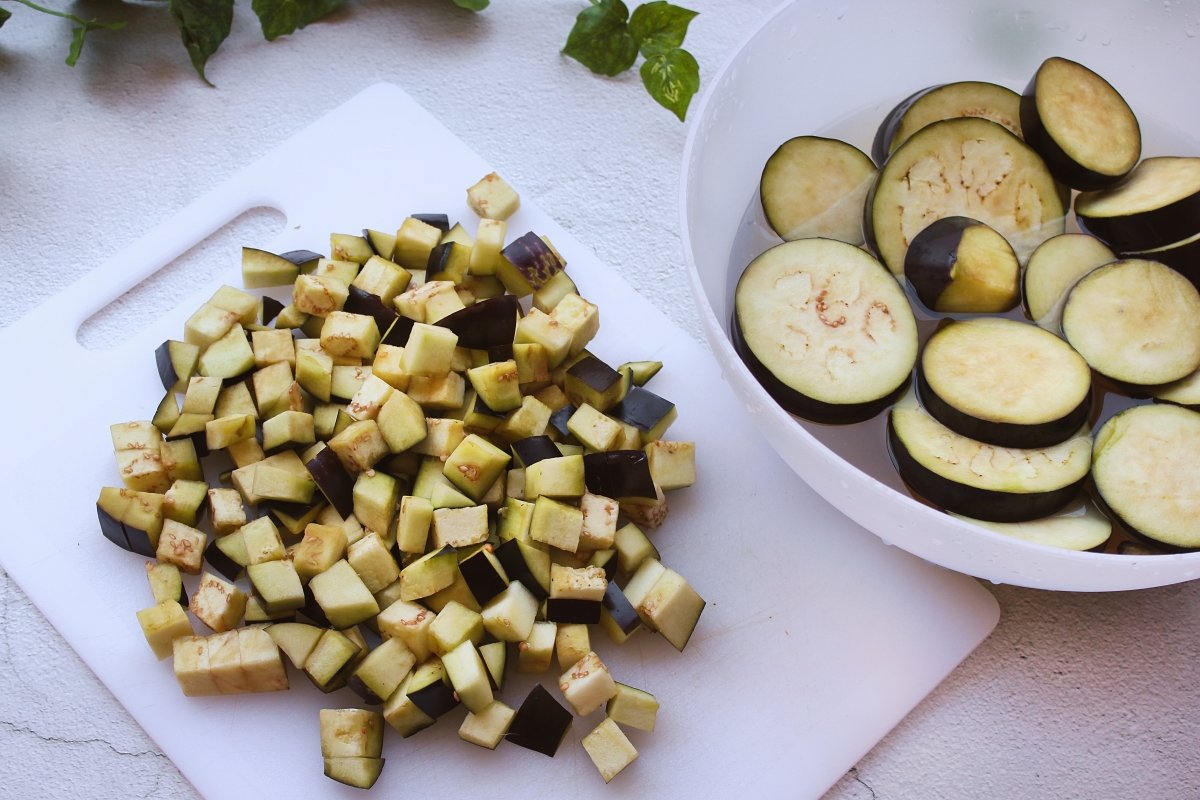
<point>1040,382</point>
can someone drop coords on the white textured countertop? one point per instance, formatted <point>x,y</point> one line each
<point>1073,696</point>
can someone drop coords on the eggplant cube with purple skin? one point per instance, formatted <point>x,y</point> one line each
<point>540,723</point>
<point>526,264</point>
<point>591,381</point>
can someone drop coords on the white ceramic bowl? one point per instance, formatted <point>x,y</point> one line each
<point>836,69</point>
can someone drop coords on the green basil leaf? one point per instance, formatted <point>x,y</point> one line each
<point>203,25</point>
<point>4,15</point>
<point>281,17</point>
<point>672,78</point>
<point>600,39</point>
<point>472,5</point>
<point>659,26</point>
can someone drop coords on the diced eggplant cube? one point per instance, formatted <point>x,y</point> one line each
<point>430,689</point>
<point>319,295</point>
<point>591,381</point>
<point>510,615</point>
<point>163,623</point>
<point>593,429</point>
<point>367,304</point>
<point>333,480</point>
<point>176,363</point>
<point>495,658</point>
<point>408,622</point>
<point>452,626</point>
<point>572,642</point>
<point>321,547</point>
<point>555,523</point>
<point>296,640</point>
<point>373,562</point>
<point>587,684</point>
<point>181,545</point>
<point>218,604</point>
<point>488,323</point>
<point>540,723</point>
<point>207,324</point>
<point>277,584</point>
<point>191,666</point>
<point>359,446</point>
<point>620,474</point>
<point>673,607</point>
<point>530,419</point>
<point>332,658</point>
<point>459,527</point>
<point>343,596</point>
<point>229,358</point>
<point>533,449</point>
<point>648,514</point>
<point>353,335</point>
<point>538,327</point>
<point>577,583</point>
<point>382,671</point>
<point>648,412</point>
<point>468,675</point>
<point>484,575</point>
<point>351,733</point>
<point>112,529</point>
<point>402,714</point>
<point>632,707</point>
<point>166,583</point>
<point>535,653</point>
<point>430,573</point>
<point>493,198</point>
<point>414,241</point>
<point>599,521</point>
<point>562,477</point>
<point>487,727</point>
<point>672,463</point>
<point>526,263</point>
<point>350,247</point>
<point>609,748</point>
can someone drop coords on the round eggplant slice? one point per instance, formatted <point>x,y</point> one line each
<point>1004,382</point>
<point>1080,125</point>
<point>1054,268</point>
<point>1135,321</point>
<point>981,480</point>
<point>825,329</point>
<point>813,186</point>
<point>1081,528</point>
<point>958,264</point>
<point>1156,205</point>
<point>946,101</point>
<point>1185,392</point>
<point>962,167</point>
<point>1144,470</point>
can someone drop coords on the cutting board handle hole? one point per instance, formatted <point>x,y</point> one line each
<point>163,290</point>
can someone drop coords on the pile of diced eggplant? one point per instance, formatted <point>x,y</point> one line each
<point>935,280</point>
<point>419,480</point>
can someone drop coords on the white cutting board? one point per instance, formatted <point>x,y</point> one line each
<point>817,639</point>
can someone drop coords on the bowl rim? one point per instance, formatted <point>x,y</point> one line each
<point>1133,566</point>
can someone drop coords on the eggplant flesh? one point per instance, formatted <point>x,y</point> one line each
<point>1082,528</point>
<point>1135,321</point>
<point>967,167</point>
<point>1144,471</point>
<point>1157,204</point>
<point>814,186</point>
<point>1004,382</point>
<point>1082,127</point>
<point>825,329</point>
<point>946,101</point>
<point>958,264</point>
<point>1055,266</point>
<point>981,480</point>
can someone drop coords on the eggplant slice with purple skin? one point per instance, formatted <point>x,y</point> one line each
<point>958,264</point>
<point>825,329</point>
<point>966,167</point>
<point>1004,382</point>
<point>984,481</point>
<point>1182,256</point>
<point>1055,266</point>
<point>1144,471</point>
<point>814,186</point>
<point>1081,528</point>
<point>1082,127</point>
<point>946,101</point>
<point>1157,205</point>
<point>1136,322</point>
